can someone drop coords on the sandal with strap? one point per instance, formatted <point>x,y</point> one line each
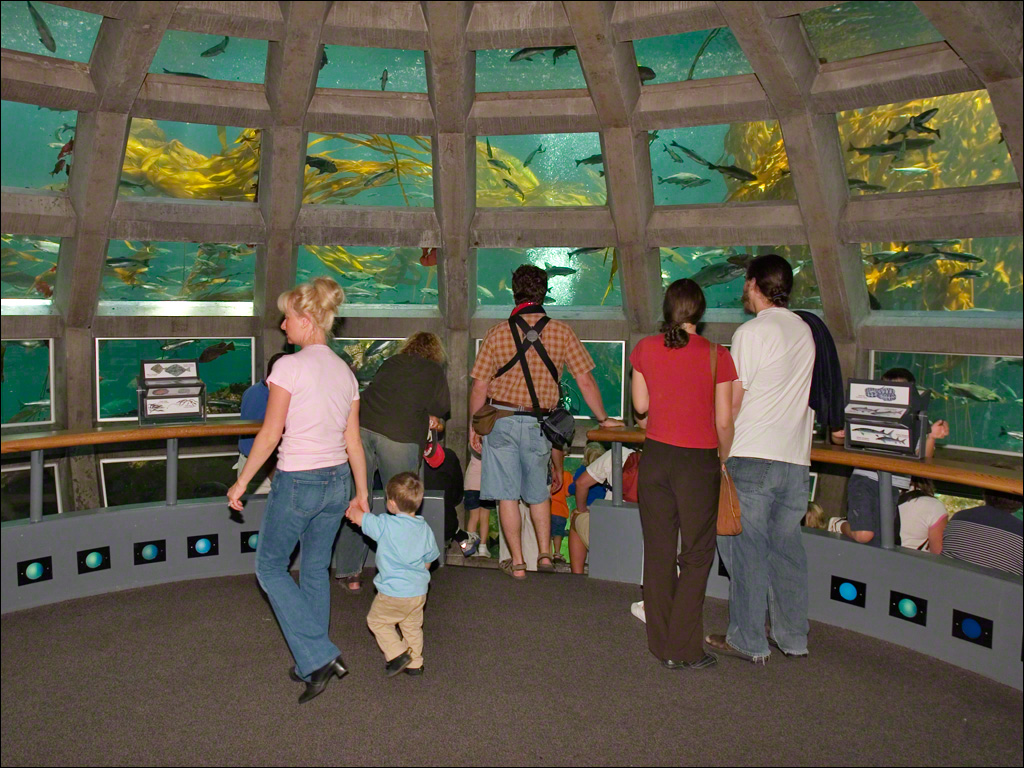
<point>547,567</point>
<point>507,566</point>
<point>353,584</point>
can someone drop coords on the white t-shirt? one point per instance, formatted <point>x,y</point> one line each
<point>601,468</point>
<point>916,517</point>
<point>322,387</point>
<point>774,355</point>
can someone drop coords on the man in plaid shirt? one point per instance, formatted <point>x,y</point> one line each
<point>516,452</point>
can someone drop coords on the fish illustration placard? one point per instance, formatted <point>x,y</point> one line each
<point>177,369</point>
<point>883,437</point>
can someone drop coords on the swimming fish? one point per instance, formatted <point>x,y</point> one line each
<point>672,154</point>
<point>378,178</point>
<point>130,184</point>
<point>556,271</point>
<point>917,124</point>
<point>490,152</point>
<point>864,186</point>
<point>968,274</point>
<point>216,50</point>
<point>45,36</point>
<point>733,171</point>
<point>893,257</point>
<point>592,160</point>
<point>962,256</point>
<point>527,54</point>
<point>321,164</point>
<point>323,58</point>
<point>123,263</point>
<point>1017,361</point>
<point>561,51</point>
<point>384,79</point>
<point>583,251</point>
<point>67,149</point>
<point>64,128</point>
<point>893,148</point>
<point>429,257</point>
<point>183,74</point>
<point>972,392</point>
<point>684,180</point>
<point>652,137</point>
<point>514,187</point>
<point>932,243</point>
<point>646,74</point>
<point>1015,434</point>
<point>911,170</point>
<point>214,351</point>
<point>717,274</point>
<point>177,344</point>
<point>58,167</point>
<point>29,412</point>
<point>529,158</point>
<point>500,165</point>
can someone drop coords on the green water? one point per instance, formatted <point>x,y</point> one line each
<point>26,381</point>
<point>144,481</point>
<point>29,268</point>
<point>243,59</point>
<point>362,69</point>
<point>74,32</point>
<point>14,492</point>
<point>161,271</point>
<point>226,376</point>
<point>372,275</point>
<point>675,58</point>
<point>364,170</point>
<point>496,73</point>
<point>31,140</point>
<point>584,283</point>
<point>987,414</point>
<point>847,30</point>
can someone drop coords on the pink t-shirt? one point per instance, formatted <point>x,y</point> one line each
<point>322,387</point>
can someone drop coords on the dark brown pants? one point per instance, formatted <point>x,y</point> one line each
<point>678,494</point>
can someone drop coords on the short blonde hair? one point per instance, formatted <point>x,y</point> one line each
<point>319,299</point>
<point>424,344</point>
<point>406,490</point>
<point>816,517</point>
<point>592,452</point>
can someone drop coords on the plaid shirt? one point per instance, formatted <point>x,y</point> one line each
<point>498,347</point>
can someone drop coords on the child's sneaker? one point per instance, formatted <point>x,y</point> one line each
<point>483,551</point>
<point>835,524</point>
<point>637,609</point>
<point>470,545</point>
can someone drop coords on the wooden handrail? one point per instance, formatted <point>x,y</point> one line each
<point>938,468</point>
<point>65,438</point>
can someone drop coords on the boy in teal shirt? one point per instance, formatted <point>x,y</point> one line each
<point>405,549</point>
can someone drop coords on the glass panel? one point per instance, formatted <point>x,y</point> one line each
<point>846,30</point>
<point>36,146</point>
<point>720,163</point>
<point>979,396</point>
<point>225,366</point>
<point>691,56</point>
<point>528,69</point>
<point>576,276</point>
<point>376,169</point>
<point>147,271</point>
<point>364,356</point>
<point>373,275</point>
<point>552,169</point>
<point>210,57</point>
<point>49,30</point>
<point>15,491</point>
<point>721,271</point>
<point>190,161</point>
<point>609,357</point>
<point>984,273</point>
<point>143,480</point>
<point>29,267</point>
<point>944,141</point>
<point>363,69</point>
<point>25,373</point>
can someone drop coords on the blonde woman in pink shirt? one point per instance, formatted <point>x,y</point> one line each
<point>313,412</point>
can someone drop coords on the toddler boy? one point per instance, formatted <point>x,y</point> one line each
<point>405,549</point>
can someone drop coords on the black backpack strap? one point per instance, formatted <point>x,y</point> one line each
<point>530,338</point>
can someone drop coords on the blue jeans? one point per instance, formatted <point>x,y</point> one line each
<point>766,562</point>
<point>515,460</point>
<point>304,507</point>
<point>390,457</point>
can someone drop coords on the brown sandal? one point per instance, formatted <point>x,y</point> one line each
<point>510,568</point>
<point>549,566</point>
<point>349,581</point>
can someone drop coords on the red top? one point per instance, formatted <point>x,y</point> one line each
<point>679,381</point>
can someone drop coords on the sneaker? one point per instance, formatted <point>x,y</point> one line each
<point>470,545</point>
<point>483,551</point>
<point>835,524</point>
<point>637,609</point>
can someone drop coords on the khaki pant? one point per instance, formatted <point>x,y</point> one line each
<point>407,613</point>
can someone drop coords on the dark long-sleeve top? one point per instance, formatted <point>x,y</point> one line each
<point>406,391</point>
<point>828,395</point>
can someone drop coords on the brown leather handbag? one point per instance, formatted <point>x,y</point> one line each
<point>483,420</point>
<point>728,500</point>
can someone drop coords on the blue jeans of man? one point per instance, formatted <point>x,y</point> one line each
<point>390,457</point>
<point>767,563</point>
<point>305,508</point>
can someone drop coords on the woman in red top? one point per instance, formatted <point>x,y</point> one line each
<point>689,433</point>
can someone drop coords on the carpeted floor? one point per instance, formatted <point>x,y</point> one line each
<point>553,671</point>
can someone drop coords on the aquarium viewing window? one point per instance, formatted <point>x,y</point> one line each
<point>859,28</point>
<point>190,161</point>
<point>933,143</point>
<point>226,367</point>
<point>369,169</point>
<point>949,274</point>
<point>372,69</point>
<point>741,162</point>
<point>553,169</point>
<point>15,481</point>
<point>979,396</point>
<point>26,366</point>
<point>371,275</point>
<point>29,270</point>
<point>210,57</point>
<point>365,356</point>
<point>691,56</point>
<point>36,146</point>
<point>577,277</point>
<point>143,479</point>
<point>528,69</point>
<point>48,30</point>
<point>720,272</point>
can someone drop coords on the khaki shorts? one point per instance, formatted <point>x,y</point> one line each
<point>581,523</point>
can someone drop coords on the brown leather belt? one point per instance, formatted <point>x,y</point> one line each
<point>517,410</point>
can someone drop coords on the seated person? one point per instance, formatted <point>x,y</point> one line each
<point>443,472</point>
<point>598,474</point>
<point>990,535</point>
<point>254,408</point>
<point>815,517</point>
<point>923,518</point>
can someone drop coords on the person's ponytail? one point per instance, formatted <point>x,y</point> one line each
<point>684,303</point>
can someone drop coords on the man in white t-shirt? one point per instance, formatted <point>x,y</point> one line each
<point>769,462</point>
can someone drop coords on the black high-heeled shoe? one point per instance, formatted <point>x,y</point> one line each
<point>319,679</point>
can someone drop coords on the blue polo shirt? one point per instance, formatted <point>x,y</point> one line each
<point>405,547</point>
<point>254,408</point>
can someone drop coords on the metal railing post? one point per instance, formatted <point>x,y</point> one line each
<point>886,510</point>
<point>35,488</point>
<point>172,471</point>
<point>617,473</point>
